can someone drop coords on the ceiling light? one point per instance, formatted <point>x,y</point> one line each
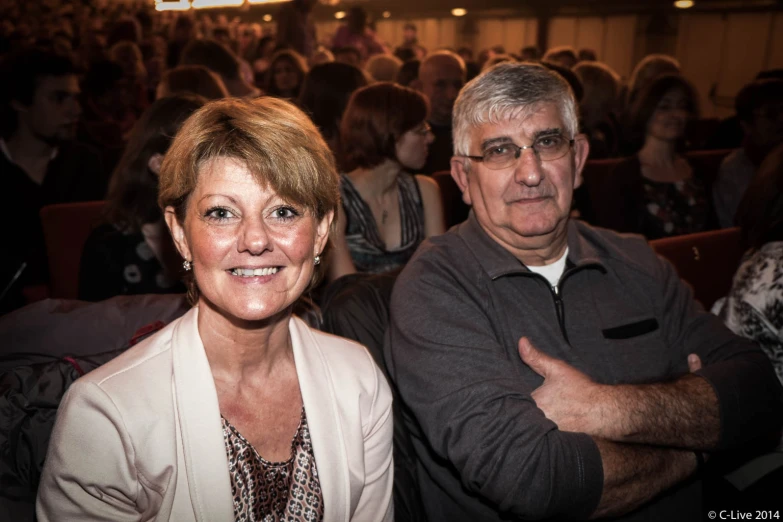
<point>683,4</point>
<point>387,14</point>
<point>206,4</point>
<point>339,15</point>
<point>180,5</point>
<point>267,18</point>
<point>458,11</point>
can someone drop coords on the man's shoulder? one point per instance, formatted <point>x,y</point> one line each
<point>617,250</point>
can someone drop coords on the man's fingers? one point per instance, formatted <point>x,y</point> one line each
<point>694,363</point>
<point>537,360</point>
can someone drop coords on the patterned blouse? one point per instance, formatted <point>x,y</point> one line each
<point>368,250</point>
<point>754,307</point>
<point>274,491</point>
<point>673,209</point>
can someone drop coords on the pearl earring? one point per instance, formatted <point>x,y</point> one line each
<point>317,260</point>
<point>187,265</point>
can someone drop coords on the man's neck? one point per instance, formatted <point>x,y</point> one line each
<point>543,256</point>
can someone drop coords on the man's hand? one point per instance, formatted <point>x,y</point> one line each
<point>568,397</point>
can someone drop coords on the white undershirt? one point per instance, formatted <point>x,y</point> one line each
<point>553,271</point>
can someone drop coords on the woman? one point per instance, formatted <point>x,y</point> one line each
<point>195,79</point>
<point>285,75</point>
<point>325,93</point>
<point>386,212</point>
<point>237,410</point>
<point>754,308</point>
<point>132,252</point>
<point>658,192</point>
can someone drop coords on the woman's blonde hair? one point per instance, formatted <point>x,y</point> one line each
<point>275,140</point>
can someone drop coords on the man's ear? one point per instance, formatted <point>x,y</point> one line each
<point>460,174</point>
<point>17,106</point>
<point>177,233</point>
<point>154,163</point>
<point>581,152</point>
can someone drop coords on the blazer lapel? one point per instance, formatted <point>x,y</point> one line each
<point>323,419</point>
<point>205,458</point>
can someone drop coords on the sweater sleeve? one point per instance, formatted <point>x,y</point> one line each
<point>473,409</point>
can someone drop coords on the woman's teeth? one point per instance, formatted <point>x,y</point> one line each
<point>249,272</point>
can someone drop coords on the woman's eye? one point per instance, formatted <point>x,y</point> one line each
<point>219,213</point>
<point>285,213</point>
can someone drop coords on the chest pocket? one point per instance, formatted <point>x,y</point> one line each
<point>637,351</point>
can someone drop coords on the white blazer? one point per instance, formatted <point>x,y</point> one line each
<point>140,438</point>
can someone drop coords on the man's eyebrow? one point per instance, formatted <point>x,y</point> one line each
<point>555,131</point>
<point>494,141</point>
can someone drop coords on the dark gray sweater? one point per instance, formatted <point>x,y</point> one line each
<point>486,452</point>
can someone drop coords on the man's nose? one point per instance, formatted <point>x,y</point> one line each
<point>528,168</point>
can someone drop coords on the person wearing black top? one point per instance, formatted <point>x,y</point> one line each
<point>40,164</point>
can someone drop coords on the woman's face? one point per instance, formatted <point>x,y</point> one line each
<point>285,76</point>
<point>252,252</point>
<point>413,146</point>
<point>670,116</point>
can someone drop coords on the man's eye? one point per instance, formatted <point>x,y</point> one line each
<point>549,142</point>
<point>500,150</point>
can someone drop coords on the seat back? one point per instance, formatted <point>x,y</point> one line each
<point>455,211</point>
<point>593,199</point>
<point>66,227</point>
<point>706,260</point>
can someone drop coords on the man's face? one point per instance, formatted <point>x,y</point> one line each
<point>441,79</point>
<point>54,111</point>
<point>525,206</point>
<point>766,129</point>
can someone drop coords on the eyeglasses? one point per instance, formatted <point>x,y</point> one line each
<point>546,148</point>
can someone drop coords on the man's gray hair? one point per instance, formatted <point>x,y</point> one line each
<point>506,91</point>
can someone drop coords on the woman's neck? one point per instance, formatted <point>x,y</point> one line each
<point>658,152</point>
<point>377,181</point>
<point>244,351</point>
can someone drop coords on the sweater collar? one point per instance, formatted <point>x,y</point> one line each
<point>497,261</point>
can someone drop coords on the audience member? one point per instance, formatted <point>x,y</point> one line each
<point>285,75</point>
<point>410,49</point>
<point>40,163</point>
<point>219,59</point>
<point>544,364</point>
<point>325,94</point>
<point>530,53</point>
<point>466,53</point>
<point>348,54</point>
<point>237,410</point>
<point>759,107</point>
<point>260,58</point>
<point>132,253</point>
<point>295,28</point>
<point>565,56</point>
<point>569,76</point>
<point>408,73</point>
<point>587,55</point>
<point>754,305</point>
<point>496,59</point>
<point>646,71</point>
<point>356,33</point>
<point>183,31</point>
<point>321,55</point>
<point>598,107</point>
<point>195,79</point>
<point>658,193</point>
<point>441,76</point>
<point>383,67</point>
<point>386,212</point>
<point>108,99</point>
<point>128,56</point>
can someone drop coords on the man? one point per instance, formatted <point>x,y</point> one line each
<point>759,108</point>
<point>39,163</point>
<point>295,28</point>
<point>544,364</point>
<point>441,76</point>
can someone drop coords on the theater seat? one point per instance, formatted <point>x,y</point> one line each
<point>593,198</point>
<point>66,227</point>
<point>707,261</point>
